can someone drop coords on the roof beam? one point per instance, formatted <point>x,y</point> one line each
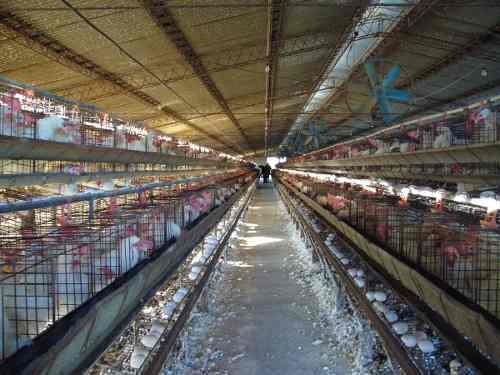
<point>166,21</point>
<point>387,45</point>
<point>222,61</point>
<point>363,5</point>
<point>472,45</point>
<point>26,35</point>
<point>276,15</point>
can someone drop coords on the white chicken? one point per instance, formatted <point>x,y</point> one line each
<point>48,127</point>
<point>72,279</point>
<point>27,299</point>
<point>55,128</point>
<point>115,262</point>
<point>173,230</point>
<point>444,138</point>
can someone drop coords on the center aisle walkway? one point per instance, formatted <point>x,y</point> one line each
<point>267,322</point>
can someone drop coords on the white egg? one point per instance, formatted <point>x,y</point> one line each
<point>344,261</point>
<point>400,328</point>
<point>180,294</point>
<point>196,269</point>
<point>391,316</point>
<point>380,296</point>
<point>169,308</point>
<point>136,360</point>
<point>426,346</point>
<point>360,282</point>
<point>158,326</point>
<point>149,341</point>
<point>409,340</point>
<point>138,356</point>
<point>140,350</point>
<point>370,296</point>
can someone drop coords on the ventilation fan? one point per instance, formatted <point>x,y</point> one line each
<point>381,78</point>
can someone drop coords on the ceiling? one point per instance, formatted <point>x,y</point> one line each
<point>197,69</point>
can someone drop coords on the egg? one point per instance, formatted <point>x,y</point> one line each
<point>196,269</point>
<point>400,328</point>
<point>169,308</point>
<point>180,294</point>
<point>138,357</point>
<point>149,341</point>
<point>380,296</point>
<point>426,346</point>
<point>344,261</point>
<point>360,282</point>
<point>158,326</point>
<point>136,360</point>
<point>391,316</point>
<point>409,340</point>
<point>370,296</point>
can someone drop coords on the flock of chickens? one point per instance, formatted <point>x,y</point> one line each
<point>454,240</point>
<point>420,340</point>
<point>480,126</point>
<point>50,268</point>
<point>56,122</point>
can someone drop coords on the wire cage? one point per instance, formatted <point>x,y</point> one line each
<point>53,259</point>
<point>452,241</point>
<point>477,124</point>
<point>26,112</point>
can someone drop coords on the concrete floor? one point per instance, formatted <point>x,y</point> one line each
<point>266,323</point>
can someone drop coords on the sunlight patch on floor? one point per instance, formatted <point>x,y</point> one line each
<point>261,240</point>
<point>239,264</point>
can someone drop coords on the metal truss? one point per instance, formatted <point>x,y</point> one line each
<point>221,61</point>
<point>26,35</point>
<point>166,21</point>
<point>390,43</point>
<point>275,16</point>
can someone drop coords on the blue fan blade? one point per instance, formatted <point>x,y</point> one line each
<point>392,76</point>
<point>372,74</point>
<point>402,96</point>
<point>385,107</point>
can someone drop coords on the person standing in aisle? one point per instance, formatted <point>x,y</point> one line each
<point>266,171</point>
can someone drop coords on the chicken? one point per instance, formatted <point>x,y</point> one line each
<point>72,278</point>
<point>27,299</point>
<point>57,129</point>
<point>444,137</point>
<point>116,261</point>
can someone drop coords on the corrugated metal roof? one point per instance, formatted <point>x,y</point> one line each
<point>231,43</point>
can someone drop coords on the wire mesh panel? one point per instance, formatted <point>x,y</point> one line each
<point>450,240</point>
<point>478,125</point>
<point>55,258</point>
